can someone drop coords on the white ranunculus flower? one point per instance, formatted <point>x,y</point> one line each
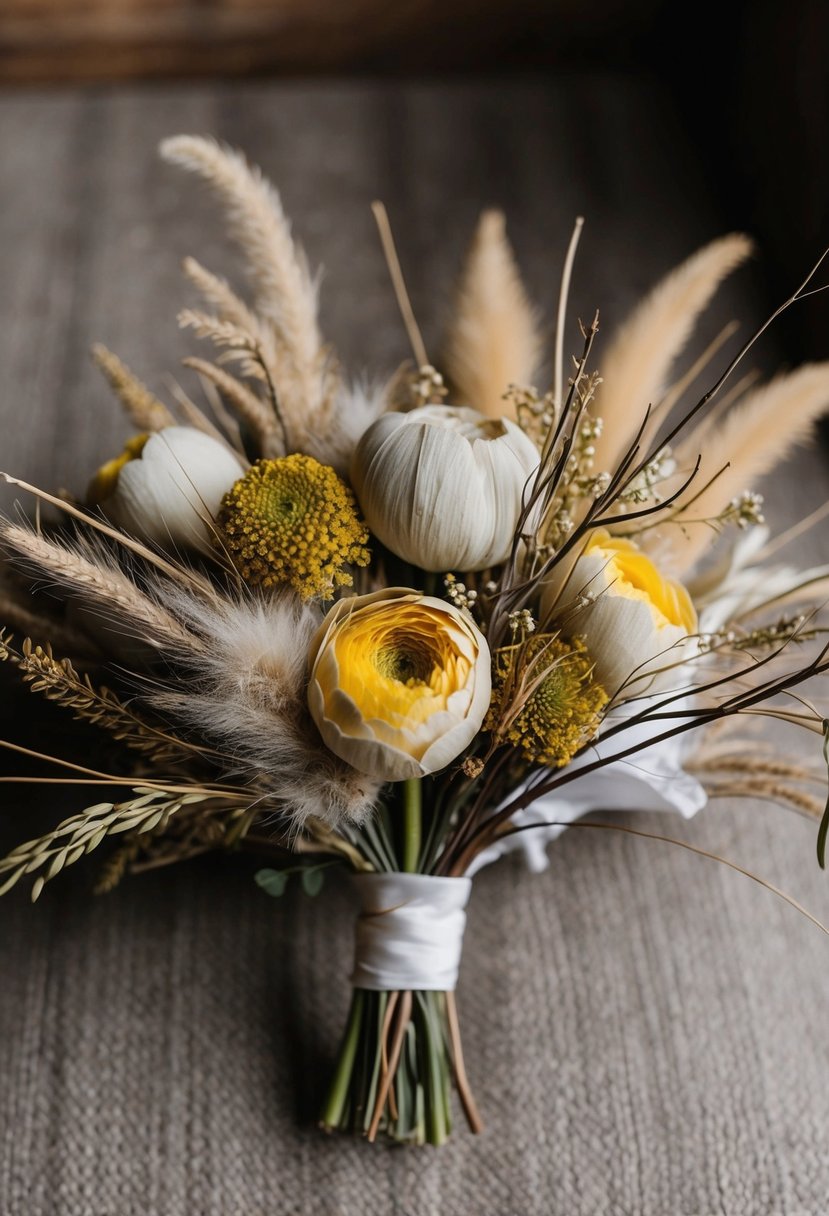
<point>165,489</point>
<point>635,622</point>
<point>442,486</point>
<point>400,683</point>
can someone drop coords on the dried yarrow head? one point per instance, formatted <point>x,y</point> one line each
<point>293,521</point>
<point>545,701</point>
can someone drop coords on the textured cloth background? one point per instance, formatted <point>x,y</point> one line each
<point>645,1030</point>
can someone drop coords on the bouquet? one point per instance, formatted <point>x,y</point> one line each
<point>404,628</point>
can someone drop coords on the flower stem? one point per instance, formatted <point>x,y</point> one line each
<point>340,1086</point>
<point>412,824</point>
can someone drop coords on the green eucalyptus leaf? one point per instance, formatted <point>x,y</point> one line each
<point>272,882</point>
<point>312,880</point>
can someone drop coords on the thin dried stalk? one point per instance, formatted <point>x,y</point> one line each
<point>141,406</point>
<point>252,411</point>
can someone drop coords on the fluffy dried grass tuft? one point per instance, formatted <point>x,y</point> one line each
<point>247,697</point>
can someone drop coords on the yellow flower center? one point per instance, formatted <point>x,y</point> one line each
<point>402,662</point>
<point>293,521</point>
<point>102,486</point>
<point>632,574</point>
<point>545,701</point>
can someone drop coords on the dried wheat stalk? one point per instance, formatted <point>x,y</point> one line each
<point>102,585</point>
<point>80,834</point>
<point>59,682</point>
<point>141,406</point>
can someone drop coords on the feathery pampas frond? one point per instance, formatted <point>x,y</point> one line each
<point>286,295</point>
<point>247,697</point>
<point>142,408</point>
<point>494,339</point>
<point>89,572</point>
<point>755,435</point>
<point>639,359</point>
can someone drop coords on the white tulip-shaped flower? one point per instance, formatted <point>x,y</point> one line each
<point>167,487</point>
<point>442,486</point>
<point>400,683</point>
<point>635,622</point>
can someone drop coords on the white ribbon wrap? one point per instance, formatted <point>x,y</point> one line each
<point>409,934</point>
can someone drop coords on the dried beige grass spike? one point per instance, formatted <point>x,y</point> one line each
<point>285,293</point>
<point>494,340</point>
<point>142,408</point>
<point>756,435</point>
<point>639,360</point>
<point>94,577</point>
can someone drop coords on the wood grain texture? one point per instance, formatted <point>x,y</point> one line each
<point>644,1030</point>
<point>76,40</point>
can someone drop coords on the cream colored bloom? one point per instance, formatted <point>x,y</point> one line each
<point>442,486</point>
<point>167,487</point>
<point>633,619</point>
<point>400,683</point>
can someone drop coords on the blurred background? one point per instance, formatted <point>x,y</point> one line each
<point>746,77</point>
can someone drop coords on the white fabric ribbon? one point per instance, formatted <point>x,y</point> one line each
<point>409,934</point>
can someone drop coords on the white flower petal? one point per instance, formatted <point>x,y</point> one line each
<point>442,486</point>
<point>170,493</point>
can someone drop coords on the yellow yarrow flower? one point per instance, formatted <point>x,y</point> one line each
<point>293,521</point>
<point>545,701</point>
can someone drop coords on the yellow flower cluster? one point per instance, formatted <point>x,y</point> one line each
<point>544,700</point>
<point>293,521</point>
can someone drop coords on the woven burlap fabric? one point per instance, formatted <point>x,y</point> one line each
<point>645,1030</point>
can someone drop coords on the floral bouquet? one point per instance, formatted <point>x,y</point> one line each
<point>404,629</point>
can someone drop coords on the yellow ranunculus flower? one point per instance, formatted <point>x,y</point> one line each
<point>633,619</point>
<point>400,683</point>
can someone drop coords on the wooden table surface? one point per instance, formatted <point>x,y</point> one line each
<point>646,1030</point>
